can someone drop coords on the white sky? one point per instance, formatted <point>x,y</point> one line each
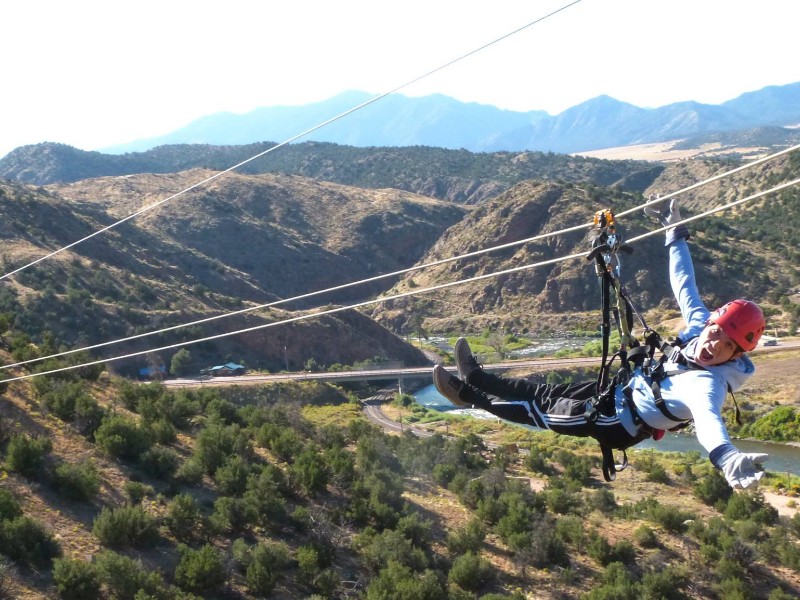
<point>96,73</point>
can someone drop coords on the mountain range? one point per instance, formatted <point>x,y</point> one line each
<point>444,122</point>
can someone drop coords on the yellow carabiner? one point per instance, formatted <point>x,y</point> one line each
<point>604,218</point>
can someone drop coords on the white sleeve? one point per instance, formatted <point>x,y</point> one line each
<point>705,402</point>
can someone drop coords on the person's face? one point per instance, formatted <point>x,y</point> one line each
<point>715,347</point>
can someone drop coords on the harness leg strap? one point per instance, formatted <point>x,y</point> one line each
<point>610,466</point>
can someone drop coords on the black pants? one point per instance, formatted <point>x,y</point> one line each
<point>559,407</point>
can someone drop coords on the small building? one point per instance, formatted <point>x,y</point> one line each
<point>224,370</point>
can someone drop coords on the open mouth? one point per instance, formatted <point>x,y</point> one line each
<point>705,355</point>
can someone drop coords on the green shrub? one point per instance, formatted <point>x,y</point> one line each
<point>160,462</point>
<point>669,517</point>
<point>9,506</point>
<point>75,579</point>
<point>666,584</point>
<point>570,529</point>
<point>645,537</point>
<point>657,474</point>
<point>163,432</point>
<point>25,540</point>
<point>713,489</point>
<point>231,477</point>
<point>122,437</point>
<point>310,471</point>
<point>415,529</point>
<point>137,491</point>
<point>616,584</point>
<point>604,501</point>
<point>61,397</point>
<point>264,495</point>
<point>378,550</point>
<point>25,454</point>
<point>77,481</point>
<point>183,517</point>
<point>215,443</point>
<point>470,571</point>
<point>399,582</point>
<point>780,424</point>
<point>734,589</point>
<point>190,472</point>
<point>125,526</point>
<point>789,555</point>
<point>326,582</point>
<point>779,594</point>
<point>467,539</point>
<point>200,570</point>
<point>561,501</point>
<point>232,514</point>
<point>604,553</point>
<point>266,563</point>
<point>307,563</point>
<point>88,416</point>
<point>126,578</point>
<point>751,506</point>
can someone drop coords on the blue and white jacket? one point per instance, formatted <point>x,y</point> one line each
<point>699,394</point>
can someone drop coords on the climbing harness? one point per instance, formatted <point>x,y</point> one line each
<point>606,247</point>
<point>632,355</point>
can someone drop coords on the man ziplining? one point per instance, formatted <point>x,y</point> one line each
<point>691,383</point>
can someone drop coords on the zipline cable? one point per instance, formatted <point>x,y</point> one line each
<point>404,294</point>
<point>288,141</point>
<point>303,296</point>
<point>711,211</point>
<point>399,272</point>
<point>714,178</point>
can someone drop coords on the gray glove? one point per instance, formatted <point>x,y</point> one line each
<point>742,470</point>
<point>667,215</point>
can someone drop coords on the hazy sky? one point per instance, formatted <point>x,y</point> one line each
<point>96,73</point>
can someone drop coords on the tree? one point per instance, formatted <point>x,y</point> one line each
<point>415,323</point>
<point>183,517</point>
<point>310,471</point>
<point>26,454</point>
<point>470,571</point>
<point>398,582</point>
<point>75,579</point>
<point>200,570</point>
<point>26,540</point>
<point>182,362</point>
<point>122,437</point>
<point>125,526</point>
<point>497,340</point>
<point>267,560</point>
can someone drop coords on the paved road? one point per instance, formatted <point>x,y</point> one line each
<point>539,364</point>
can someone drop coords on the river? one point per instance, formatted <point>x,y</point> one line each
<point>782,458</point>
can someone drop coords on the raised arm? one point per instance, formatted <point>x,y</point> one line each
<point>681,270</point>
<point>684,287</point>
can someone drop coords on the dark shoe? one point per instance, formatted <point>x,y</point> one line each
<point>465,361</point>
<point>449,386</point>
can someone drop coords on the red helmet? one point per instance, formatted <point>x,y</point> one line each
<point>742,321</point>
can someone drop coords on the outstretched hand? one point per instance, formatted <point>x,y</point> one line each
<point>743,470</point>
<point>666,214</point>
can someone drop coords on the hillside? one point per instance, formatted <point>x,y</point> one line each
<point>750,252</point>
<point>284,491</point>
<point>455,175</point>
<point>242,242</point>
